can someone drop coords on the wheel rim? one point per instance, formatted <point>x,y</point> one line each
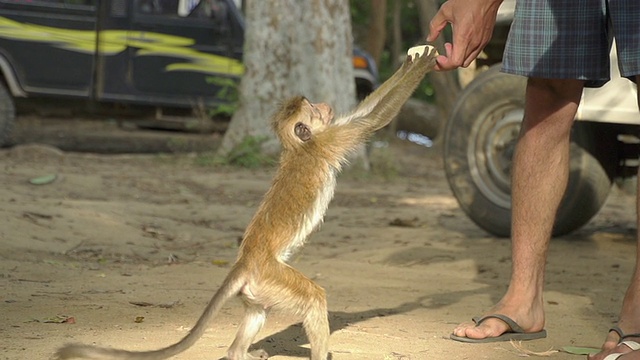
<point>490,153</point>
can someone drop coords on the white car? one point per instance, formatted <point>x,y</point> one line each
<point>481,133</point>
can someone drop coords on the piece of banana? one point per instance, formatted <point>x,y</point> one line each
<point>420,50</point>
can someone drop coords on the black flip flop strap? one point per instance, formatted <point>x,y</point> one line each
<point>507,320</point>
<point>621,333</point>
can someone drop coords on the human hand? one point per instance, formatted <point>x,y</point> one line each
<point>472,22</point>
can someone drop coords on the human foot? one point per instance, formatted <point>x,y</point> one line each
<point>628,327</point>
<point>617,342</point>
<point>627,349</point>
<point>513,332</point>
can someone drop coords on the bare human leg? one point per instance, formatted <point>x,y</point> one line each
<point>539,179</point>
<point>629,322</point>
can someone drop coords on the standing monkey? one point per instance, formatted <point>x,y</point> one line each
<point>314,148</point>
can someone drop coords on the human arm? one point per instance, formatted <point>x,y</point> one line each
<point>472,22</point>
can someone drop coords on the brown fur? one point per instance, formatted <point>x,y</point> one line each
<point>292,208</point>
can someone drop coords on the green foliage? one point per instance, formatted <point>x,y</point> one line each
<point>360,12</point>
<point>248,154</point>
<point>210,160</point>
<point>229,94</point>
<point>411,34</point>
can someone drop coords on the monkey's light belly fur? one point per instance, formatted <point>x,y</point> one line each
<point>420,50</point>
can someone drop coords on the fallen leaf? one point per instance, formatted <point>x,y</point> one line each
<point>160,305</point>
<point>60,319</point>
<point>412,223</point>
<point>577,350</point>
<point>43,180</point>
<point>220,262</point>
<point>140,303</point>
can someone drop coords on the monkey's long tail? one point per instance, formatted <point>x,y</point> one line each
<point>231,286</point>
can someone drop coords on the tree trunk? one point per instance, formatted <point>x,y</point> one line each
<point>396,31</point>
<point>292,47</point>
<point>377,33</point>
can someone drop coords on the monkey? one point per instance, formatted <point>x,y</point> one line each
<point>314,149</point>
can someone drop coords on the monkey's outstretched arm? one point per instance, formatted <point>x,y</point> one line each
<point>348,132</point>
<point>400,91</point>
<point>366,106</point>
<point>388,85</point>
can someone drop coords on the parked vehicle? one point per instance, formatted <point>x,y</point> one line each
<point>157,53</point>
<point>481,133</point>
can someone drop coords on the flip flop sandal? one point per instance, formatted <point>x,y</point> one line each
<point>628,343</point>
<point>516,332</point>
<point>622,335</point>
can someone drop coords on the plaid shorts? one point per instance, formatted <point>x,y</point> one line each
<point>571,39</point>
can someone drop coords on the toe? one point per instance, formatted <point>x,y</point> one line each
<point>486,329</point>
<point>461,330</point>
<point>489,328</point>
<point>616,349</point>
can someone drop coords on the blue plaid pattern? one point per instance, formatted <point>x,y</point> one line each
<point>571,39</point>
<point>626,29</point>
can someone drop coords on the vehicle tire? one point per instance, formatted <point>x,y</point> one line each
<point>479,142</point>
<point>7,115</point>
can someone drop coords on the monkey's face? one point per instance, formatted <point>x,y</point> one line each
<point>322,112</point>
<point>314,119</point>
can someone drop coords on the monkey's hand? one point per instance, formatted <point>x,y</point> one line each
<point>421,50</point>
<point>417,54</point>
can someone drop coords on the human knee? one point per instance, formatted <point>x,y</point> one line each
<point>551,105</point>
<point>555,91</point>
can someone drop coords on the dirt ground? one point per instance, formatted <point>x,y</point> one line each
<point>126,250</point>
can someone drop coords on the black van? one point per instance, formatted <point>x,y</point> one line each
<point>162,53</point>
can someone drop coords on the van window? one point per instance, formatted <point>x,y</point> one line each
<point>53,3</point>
<point>157,7</point>
<point>200,9</point>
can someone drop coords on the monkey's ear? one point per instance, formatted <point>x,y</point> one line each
<point>302,132</point>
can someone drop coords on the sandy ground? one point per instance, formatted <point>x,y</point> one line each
<point>126,250</point>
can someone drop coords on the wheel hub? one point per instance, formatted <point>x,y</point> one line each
<point>491,151</point>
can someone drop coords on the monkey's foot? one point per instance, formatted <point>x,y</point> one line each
<point>258,355</point>
<point>420,50</point>
<point>251,355</point>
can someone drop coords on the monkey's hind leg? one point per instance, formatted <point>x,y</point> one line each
<point>251,324</point>
<point>304,297</point>
<point>316,324</point>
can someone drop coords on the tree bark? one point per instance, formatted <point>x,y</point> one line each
<point>292,47</point>
<point>377,33</point>
<point>396,31</point>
